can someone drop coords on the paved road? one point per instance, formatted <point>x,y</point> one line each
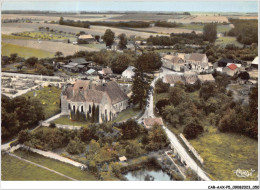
<point>13,155</point>
<point>173,139</point>
<point>185,156</point>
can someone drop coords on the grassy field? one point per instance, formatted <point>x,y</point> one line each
<point>14,169</point>
<point>25,52</point>
<point>6,36</point>
<point>58,166</point>
<point>223,41</point>
<point>50,99</point>
<point>126,114</point>
<point>225,152</point>
<point>65,120</point>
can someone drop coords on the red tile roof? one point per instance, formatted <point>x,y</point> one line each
<point>232,66</point>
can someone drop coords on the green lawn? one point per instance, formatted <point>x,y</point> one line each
<point>25,52</point>
<point>58,166</point>
<point>65,120</point>
<point>50,99</point>
<point>225,152</point>
<point>14,169</point>
<point>223,41</point>
<point>126,114</point>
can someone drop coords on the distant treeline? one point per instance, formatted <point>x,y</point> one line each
<point>167,24</point>
<point>184,13</point>
<point>82,24</point>
<point>184,38</point>
<point>86,24</point>
<point>131,24</point>
<point>246,31</point>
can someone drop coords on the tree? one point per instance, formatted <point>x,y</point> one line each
<point>161,87</point>
<point>192,130</point>
<point>210,32</point>
<point>120,63</point>
<point>109,37</point>
<point>123,41</point>
<point>58,54</point>
<point>157,138</point>
<point>97,37</point>
<point>75,146</point>
<point>61,21</point>
<point>31,61</point>
<point>93,113</point>
<point>24,136</point>
<point>130,129</point>
<point>149,62</point>
<point>13,57</point>
<point>140,89</point>
<point>176,95</point>
<point>253,102</point>
<point>161,104</point>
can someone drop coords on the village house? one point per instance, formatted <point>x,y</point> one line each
<point>206,78</point>
<point>230,69</point>
<point>84,94</point>
<point>150,122</point>
<point>106,71</point>
<point>174,63</point>
<point>85,39</point>
<point>190,77</point>
<point>198,62</point>
<point>128,73</point>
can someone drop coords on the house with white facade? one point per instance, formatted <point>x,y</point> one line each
<point>128,73</point>
<point>198,62</point>
<point>84,94</point>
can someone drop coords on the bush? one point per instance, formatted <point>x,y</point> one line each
<point>52,125</point>
<point>161,87</point>
<point>192,130</point>
<point>75,146</point>
<point>161,104</point>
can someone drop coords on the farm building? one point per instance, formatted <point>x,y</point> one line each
<point>107,97</point>
<point>231,69</point>
<point>128,73</point>
<point>86,39</point>
<point>150,122</point>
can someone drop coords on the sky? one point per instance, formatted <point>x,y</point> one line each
<point>133,5</point>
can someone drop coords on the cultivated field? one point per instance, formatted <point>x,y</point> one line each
<point>8,28</point>
<point>56,17</point>
<point>22,51</point>
<point>162,30</point>
<point>52,47</point>
<point>200,18</point>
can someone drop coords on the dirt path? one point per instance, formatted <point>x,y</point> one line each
<point>70,178</point>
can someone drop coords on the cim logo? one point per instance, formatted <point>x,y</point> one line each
<point>243,173</point>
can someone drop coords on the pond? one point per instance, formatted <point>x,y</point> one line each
<point>148,174</point>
